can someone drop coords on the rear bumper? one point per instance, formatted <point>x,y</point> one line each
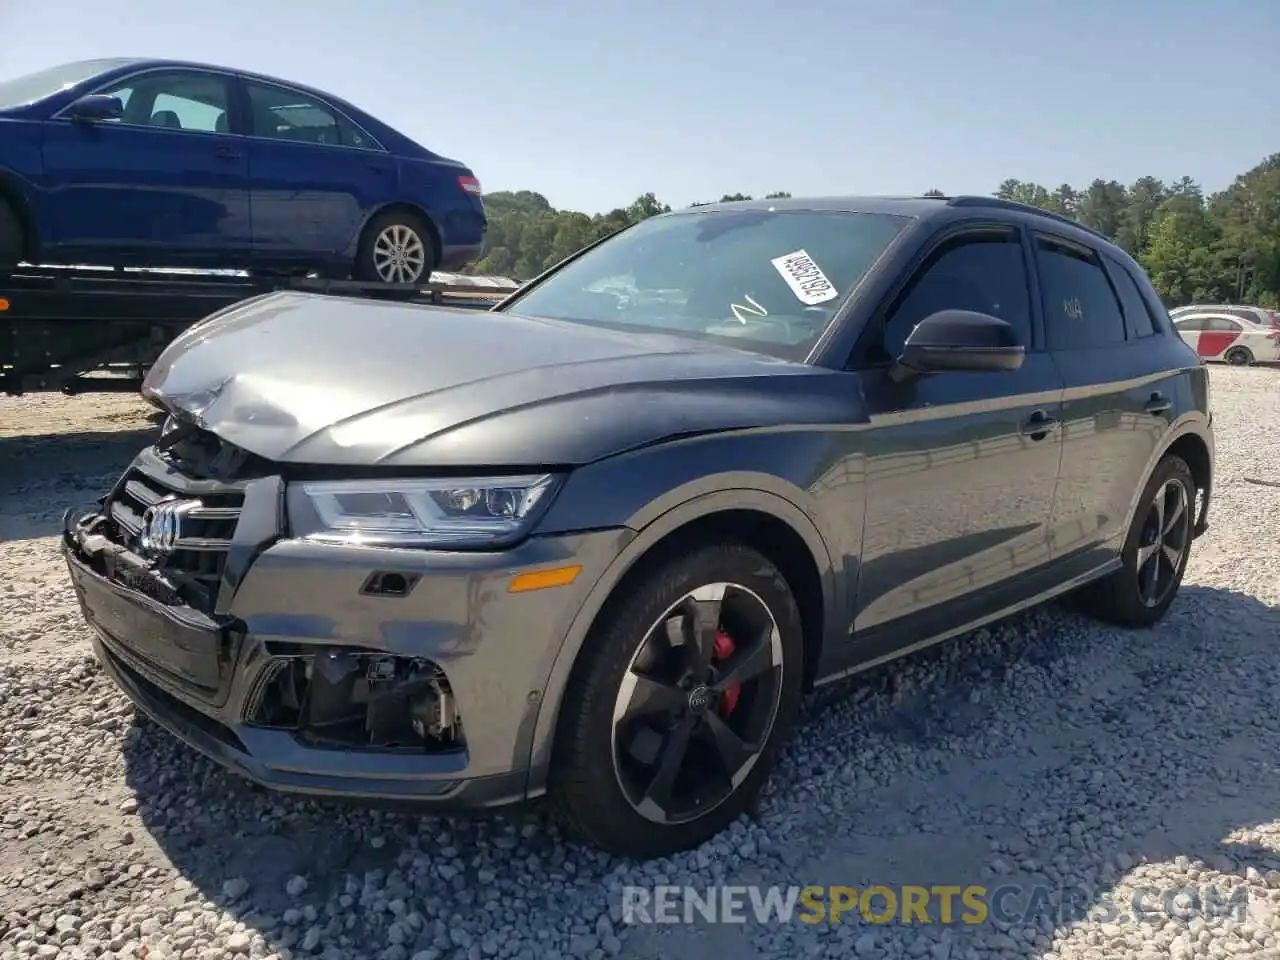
<point>199,676</point>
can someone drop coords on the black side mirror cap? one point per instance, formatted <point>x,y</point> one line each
<point>959,340</point>
<point>96,106</point>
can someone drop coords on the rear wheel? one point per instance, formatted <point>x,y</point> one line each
<point>1155,552</point>
<point>1239,357</point>
<point>397,247</point>
<point>682,699</point>
<point>11,239</point>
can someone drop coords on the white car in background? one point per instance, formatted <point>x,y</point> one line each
<point>1231,337</point>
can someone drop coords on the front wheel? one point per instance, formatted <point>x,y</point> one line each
<point>684,694</point>
<point>1155,554</point>
<point>396,247</point>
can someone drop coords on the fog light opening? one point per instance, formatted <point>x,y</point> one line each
<point>347,698</point>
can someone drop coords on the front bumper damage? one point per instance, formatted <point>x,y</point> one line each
<point>321,609</point>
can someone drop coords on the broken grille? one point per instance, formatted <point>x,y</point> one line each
<point>195,562</point>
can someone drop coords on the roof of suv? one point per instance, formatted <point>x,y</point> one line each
<point>920,208</point>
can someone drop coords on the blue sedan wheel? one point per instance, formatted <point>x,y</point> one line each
<point>397,247</point>
<point>399,254</point>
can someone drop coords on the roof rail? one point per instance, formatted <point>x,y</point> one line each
<point>979,201</point>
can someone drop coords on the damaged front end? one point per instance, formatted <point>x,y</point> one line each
<point>339,697</point>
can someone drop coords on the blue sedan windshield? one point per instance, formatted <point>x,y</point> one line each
<point>20,91</point>
<point>770,281</point>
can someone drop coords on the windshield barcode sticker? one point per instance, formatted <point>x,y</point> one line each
<point>807,282</point>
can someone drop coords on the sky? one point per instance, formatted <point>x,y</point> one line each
<point>594,103</point>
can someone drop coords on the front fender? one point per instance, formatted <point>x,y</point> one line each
<point>654,520</point>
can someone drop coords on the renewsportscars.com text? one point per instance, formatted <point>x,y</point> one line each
<point>936,904</point>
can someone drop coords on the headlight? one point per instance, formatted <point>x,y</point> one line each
<point>442,512</point>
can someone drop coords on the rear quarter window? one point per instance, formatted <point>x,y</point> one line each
<point>1137,312</point>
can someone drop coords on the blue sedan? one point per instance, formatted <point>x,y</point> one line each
<point>161,163</point>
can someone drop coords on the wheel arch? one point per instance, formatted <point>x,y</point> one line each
<point>763,520</point>
<point>1191,440</point>
<point>401,206</point>
<point>18,199</point>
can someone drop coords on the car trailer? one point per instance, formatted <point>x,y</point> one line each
<point>64,328</point>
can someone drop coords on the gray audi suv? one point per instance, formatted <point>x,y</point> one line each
<point>597,543</point>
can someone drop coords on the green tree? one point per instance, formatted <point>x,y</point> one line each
<point>1179,258</point>
<point>1138,214</point>
<point>1102,206</point>
<point>1031,194</point>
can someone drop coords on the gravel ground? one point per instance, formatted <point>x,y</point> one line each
<point>1046,751</point>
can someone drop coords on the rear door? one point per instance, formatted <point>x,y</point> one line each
<point>1189,329</point>
<point>314,175</point>
<point>961,467</point>
<point>1120,375</point>
<point>166,183</point>
<point>1219,335</point>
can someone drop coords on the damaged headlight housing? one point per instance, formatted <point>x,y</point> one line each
<point>441,512</point>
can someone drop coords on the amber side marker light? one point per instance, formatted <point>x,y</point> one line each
<point>4,304</point>
<point>544,579</point>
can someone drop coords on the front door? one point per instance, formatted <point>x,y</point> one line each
<point>164,185</point>
<point>961,467</point>
<point>313,176</point>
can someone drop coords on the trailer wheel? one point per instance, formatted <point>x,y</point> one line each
<point>11,240</point>
<point>397,247</point>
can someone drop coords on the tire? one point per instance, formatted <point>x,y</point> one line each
<point>1239,357</point>
<point>396,247</point>
<point>599,769</point>
<point>1118,598</point>
<point>11,238</point>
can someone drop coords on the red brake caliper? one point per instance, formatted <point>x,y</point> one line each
<point>722,650</point>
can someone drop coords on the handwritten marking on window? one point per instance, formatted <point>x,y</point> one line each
<point>755,309</point>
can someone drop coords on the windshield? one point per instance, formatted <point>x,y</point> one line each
<point>20,91</point>
<point>768,281</point>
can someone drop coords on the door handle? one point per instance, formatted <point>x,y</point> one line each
<point>1039,425</point>
<point>1158,404</point>
<point>228,153</point>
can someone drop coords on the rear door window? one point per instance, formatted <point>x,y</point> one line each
<point>1081,310</point>
<point>279,113</point>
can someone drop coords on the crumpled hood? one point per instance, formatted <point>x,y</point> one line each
<point>312,379</point>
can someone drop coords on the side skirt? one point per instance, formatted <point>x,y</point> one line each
<point>1065,586</point>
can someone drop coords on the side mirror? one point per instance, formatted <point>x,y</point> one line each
<point>959,340</point>
<point>96,106</point>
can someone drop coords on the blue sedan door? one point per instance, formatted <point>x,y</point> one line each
<point>167,184</point>
<point>314,177</point>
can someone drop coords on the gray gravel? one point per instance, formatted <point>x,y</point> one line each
<point>1046,751</point>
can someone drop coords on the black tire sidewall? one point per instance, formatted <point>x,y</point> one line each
<point>583,783</point>
<point>367,271</point>
<point>1170,468</point>
<point>1243,352</point>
